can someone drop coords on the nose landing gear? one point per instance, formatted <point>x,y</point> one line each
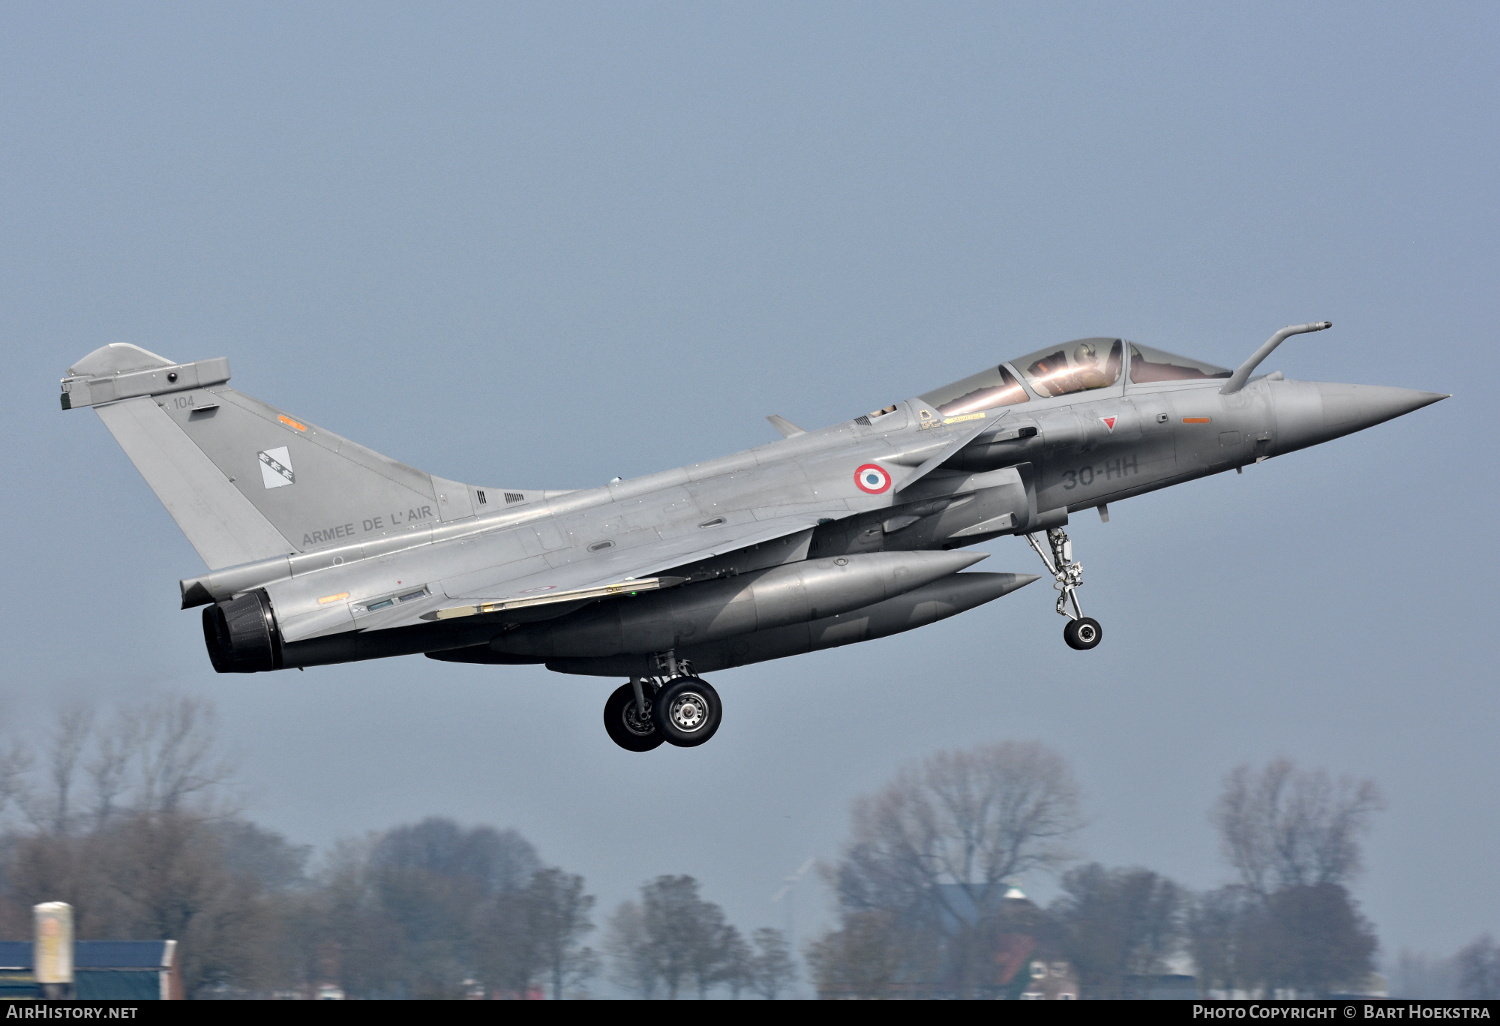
<point>1082,632</point>
<point>679,709</point>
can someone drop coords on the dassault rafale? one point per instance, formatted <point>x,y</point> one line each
<point>321,551</point>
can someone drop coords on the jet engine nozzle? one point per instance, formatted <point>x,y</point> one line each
<point>241,634</point>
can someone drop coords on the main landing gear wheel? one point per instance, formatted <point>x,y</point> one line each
<point>624,724</point>
<point>686,711</point>
<point>1083,633</point>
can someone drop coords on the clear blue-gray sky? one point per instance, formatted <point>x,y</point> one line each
<point>546,244</point>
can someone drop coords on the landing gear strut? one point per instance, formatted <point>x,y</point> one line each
<point>678,708</point>
<point>1082,632</point>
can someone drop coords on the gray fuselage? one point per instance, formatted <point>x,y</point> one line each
<point>1086,450</point>
<point>323,551</point>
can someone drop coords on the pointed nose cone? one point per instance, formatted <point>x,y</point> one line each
<point>1309,412</point>
<point>1349,408</point>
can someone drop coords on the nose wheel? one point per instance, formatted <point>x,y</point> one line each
<point>1082,632</point>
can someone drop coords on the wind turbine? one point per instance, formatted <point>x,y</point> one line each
<point>788,892</point>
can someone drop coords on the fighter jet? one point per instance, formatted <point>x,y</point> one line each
<point>321,551</point>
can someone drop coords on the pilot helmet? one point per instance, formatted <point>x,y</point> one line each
<point>1085,353</point>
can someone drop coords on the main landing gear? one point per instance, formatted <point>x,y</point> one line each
<point>679,709</point>
<point>1082,632</point>
<point>627,721</point>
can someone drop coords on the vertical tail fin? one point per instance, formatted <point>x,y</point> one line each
<point>244,480</point>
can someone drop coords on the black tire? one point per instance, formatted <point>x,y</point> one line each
<point>686,711</point>
<point>624,726</point>
<point>1083,634</point>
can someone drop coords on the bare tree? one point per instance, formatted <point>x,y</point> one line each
<point>1317,941</point>
<point>455,898</point>
<point>355,941</point>
<point>171,878</point>
<point>1479,969</point>
<point>1419,975</point>
<point>670,938</point>
<point>937,849</point>
<point>1294,837</point>
<point>1284,827</point>
<point>15,764</point>
<point>558,918</point>
<point>773,968</point>
<point>973,820</point>
<point>175,754</point>
<point>1226,933</point>
<point>506,950</point>
<point>168,876</point>
<point>74,724</point>
<point>1309,939</point>
<point>48,806</point>
<point>678,926</point>
<point>1118,927</point>
<point>107,769</point>
<point>710,950</point>
<point>158,757</point>
<point>490,861</point>
<point>861,959</point>
<point>737,965</point>
<point>632,965</point>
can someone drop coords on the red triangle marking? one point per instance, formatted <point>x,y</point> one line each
<point>1109,422</point>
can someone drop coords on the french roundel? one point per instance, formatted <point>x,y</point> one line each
<point>872,478</point>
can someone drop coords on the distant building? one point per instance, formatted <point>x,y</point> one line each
<point>1051,981</point>
<point>1026,966</point>
<point>1178,981</point>
<point>1019,960</point>
<point>102,971</point>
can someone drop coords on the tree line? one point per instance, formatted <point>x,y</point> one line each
<point>925,904</point>
<point>132,819</point>
<point>671,940</point>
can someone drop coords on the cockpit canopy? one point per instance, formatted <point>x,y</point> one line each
<point>1078,366</point>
